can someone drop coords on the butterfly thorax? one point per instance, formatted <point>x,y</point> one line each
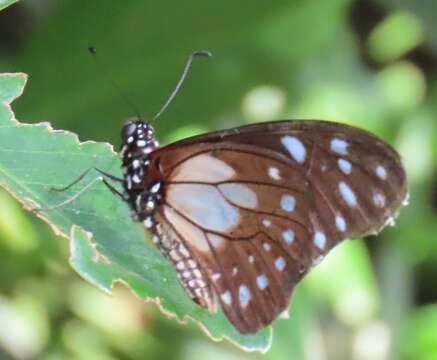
<point>143,191</point>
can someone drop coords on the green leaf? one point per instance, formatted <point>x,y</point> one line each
<point>6,3</point>
<point>106,245</point>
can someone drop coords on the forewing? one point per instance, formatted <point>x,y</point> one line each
<point>259,205</point>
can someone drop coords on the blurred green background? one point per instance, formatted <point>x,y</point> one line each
<point>371,64</point>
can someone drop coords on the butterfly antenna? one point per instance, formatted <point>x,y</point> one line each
<point>187,68</point>
<point>93,51</point>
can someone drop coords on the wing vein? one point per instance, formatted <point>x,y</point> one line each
<point>237,182</point>
<point>281,158</point>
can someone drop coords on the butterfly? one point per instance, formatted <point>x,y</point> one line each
<point>243,214</point>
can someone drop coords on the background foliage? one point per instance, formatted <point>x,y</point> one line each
<point>367,63</point>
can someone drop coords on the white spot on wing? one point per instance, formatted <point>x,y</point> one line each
<point>251,258</point>
<point>194,170</point>
<point>274,173</point>
<point>204,205</point>
<point>262,281</point>
<point>267,246</point>
<point>216,276</point>
<point>345,166</point>
<point>280,263</point>
<point>347,194</point>
<point>266,222</point>
<point>240,195</point>
<point>288,203</point>
<point>340,222</point>
<point>295,147</point>
<point>244,295</point>
<point>379,199</point>
<point>339,146</point>
<point>226,297</point>
<point>320,240</point>
<point>288,236</point>
<point>381,172</point>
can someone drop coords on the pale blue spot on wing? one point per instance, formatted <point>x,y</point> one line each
<point>339,146</point>
<point>345,166</point>
<point>295,147</point>
<point>288,236</point>
<point>340,222</point>
<point>262,281</point>
<point>280,263</point>
<point>288,203</point>
<point>320,239</point>
<point>381,172</point>
<point>379,199</point>
<point>347,194</point>
<point>244,295</point>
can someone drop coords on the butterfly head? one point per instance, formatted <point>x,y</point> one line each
<point>137,131</point>
<point>138,139</point>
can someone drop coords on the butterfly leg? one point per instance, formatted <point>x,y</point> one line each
<point>72,198</point>
<point>86,188</point>
<point>113,189</point>
<point>81,176</point>
<point>108,175</point>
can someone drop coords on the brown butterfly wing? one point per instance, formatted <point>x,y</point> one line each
<point>256,206</point>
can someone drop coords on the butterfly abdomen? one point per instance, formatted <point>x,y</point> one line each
<point>188,270</point>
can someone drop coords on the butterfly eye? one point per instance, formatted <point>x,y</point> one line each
<point>129,129</point>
